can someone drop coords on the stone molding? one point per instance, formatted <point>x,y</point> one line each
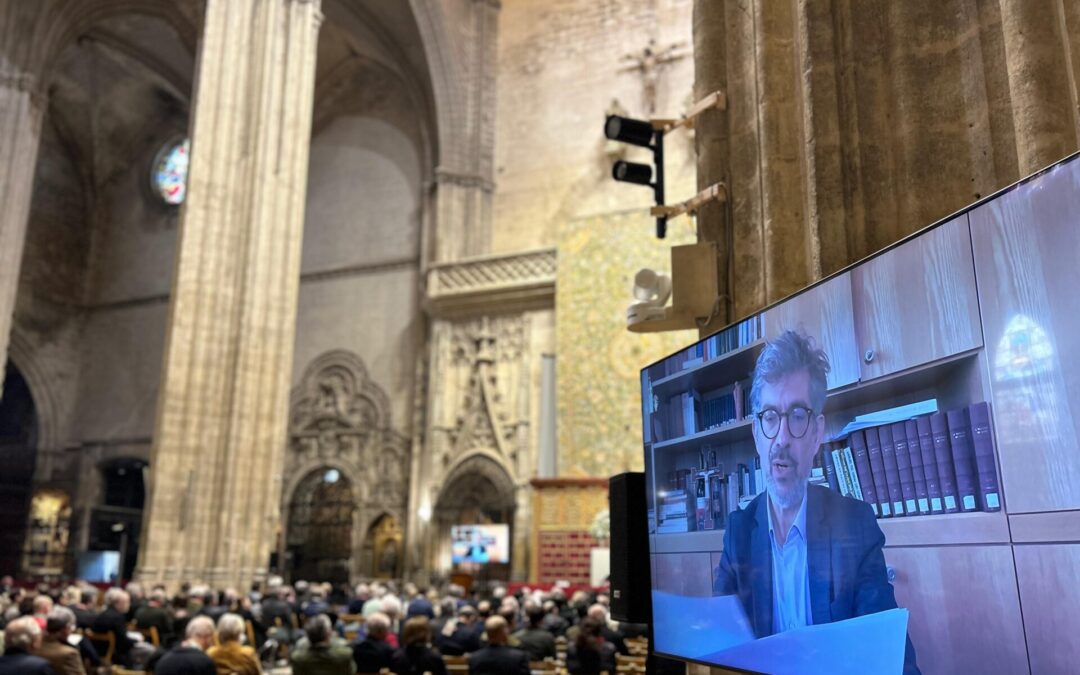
<point>490,284</point>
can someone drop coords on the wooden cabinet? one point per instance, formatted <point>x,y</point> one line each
<point>917,302</point>
<point>823,312</point>
<point>964,608</point>
<point>1050,592</point>
<point>1027,245</point>
<point>683,573</point>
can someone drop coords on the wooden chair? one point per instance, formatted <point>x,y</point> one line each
<point>560,648</point>
<point>456,664</point>
<point>629,664</point>
<point>638,646</point>
<point>151,635</point>
<point>541,667</point>
<point>108,640</point>
<point>249,630</point>
<point>117,670</point>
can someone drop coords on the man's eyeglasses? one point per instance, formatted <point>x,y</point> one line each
<point>798,421</point>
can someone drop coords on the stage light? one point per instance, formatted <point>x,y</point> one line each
<point>632,172</point>
<point>627,130</point>
<point>642,134</point>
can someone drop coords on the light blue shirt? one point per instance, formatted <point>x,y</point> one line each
<point>791,579</point>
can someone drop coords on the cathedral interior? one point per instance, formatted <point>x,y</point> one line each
<point>292,287</point>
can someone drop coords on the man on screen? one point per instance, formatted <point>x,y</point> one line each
<point>800,554</point>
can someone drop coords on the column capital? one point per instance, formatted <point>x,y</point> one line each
<point>20,80</point>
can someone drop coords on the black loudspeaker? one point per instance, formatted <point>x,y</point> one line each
<point>631,584</point>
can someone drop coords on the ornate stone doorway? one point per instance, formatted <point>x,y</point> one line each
<point>478,491</point>
<point>319,542</point>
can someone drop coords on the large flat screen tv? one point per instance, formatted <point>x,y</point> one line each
<point>480,544</point>
<point>881,473</point>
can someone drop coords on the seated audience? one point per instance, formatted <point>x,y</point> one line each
<point>154,614</point>
<point>599,612</point>
<point>374,652</point>
<point>22,637</point>
<point>322,656</point>
<point>533,639</point>
<point>498,658</point>
<point>129,653</point>
<point>231,657</point>
<point>62,657</point>
<point>417,656</point>
<point>85,613</point>
<point>461,636</point>
<point>589,653</point>
<point>189,657</point>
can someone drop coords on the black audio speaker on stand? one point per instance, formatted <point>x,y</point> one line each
<point>631,594</point>
<point>631,580</point>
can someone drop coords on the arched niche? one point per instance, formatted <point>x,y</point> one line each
<point>478,490</point>
<point>319,535</point>
<point>18,459</point>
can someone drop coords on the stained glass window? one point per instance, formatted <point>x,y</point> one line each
<point>170,172</point>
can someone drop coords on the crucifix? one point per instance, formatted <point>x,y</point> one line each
<point>649,61</point>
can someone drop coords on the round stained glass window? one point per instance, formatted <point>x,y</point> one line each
<point>170,172</point>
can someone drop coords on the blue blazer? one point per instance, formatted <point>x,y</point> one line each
<point>844,559</point>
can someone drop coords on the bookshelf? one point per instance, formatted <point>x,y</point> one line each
<point>901,328</point>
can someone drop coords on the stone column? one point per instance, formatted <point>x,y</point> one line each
<point>21,111</point>
<point>222,412</point>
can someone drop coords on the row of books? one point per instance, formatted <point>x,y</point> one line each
<point>688,413</point>
<point>937,463</point>
<point>706,496</point>
<point>712,347</point>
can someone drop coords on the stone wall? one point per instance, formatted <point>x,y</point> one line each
<point>852,124</point>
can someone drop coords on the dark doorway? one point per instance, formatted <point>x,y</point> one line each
<point>116,524</point>
<point>321,526</point>
<point>18,453</point>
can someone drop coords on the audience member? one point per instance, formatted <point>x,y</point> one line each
<point>498,658</point>
<point>416,655</point>
<point>589,653</point>
<point>22,637</point>
<point>189,658</point>
<point>322,656</point>
<point>154,615</point>
<point>63,658</point>
<point>533,639</point>
<point>129,653</point>
<point>43,604</point>
<point>599,612</point>
<point>84,610</point>
<point>231,657</point>
<point>420,606</point>
<point>374,652</point>
<point>461,636</point>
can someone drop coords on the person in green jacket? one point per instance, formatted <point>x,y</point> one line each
<point>322,657</point>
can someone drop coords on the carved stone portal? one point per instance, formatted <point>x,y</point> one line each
<point>340,426</point>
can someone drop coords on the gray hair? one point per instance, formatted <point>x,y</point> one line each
<point>114,595</point>
<point>230,627</point>
<point>378,624</point>
<point>318,629</point>
<point>200,625</point>
<point>22,633</point>
<point>59,619</point>
<point>789,353</point>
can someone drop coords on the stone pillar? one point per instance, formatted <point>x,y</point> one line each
<point>21,111</point>
<point>222,412</point>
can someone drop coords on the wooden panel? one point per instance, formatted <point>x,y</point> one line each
<point>917,303</point>
<point>949,528</point>
<point>687,542</point>
<point>965,611</point>
<point>823,312</point>
<point>684,574</point>
<point>1051,597</point>
<point>1050,527</point>
<point>1026,244</point>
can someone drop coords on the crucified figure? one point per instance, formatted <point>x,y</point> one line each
<point>649,61</point>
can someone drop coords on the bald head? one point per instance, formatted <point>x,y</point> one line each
<point>496,629</point>
<point>598,612</point>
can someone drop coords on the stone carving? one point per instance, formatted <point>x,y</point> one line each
<point>341,419</point>
<point>482,273</point>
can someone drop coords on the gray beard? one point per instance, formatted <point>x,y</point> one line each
<point>787,501</point>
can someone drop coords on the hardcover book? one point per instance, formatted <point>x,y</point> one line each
<point>862,468</point>
<point>989,492</point>
<point>903,466</point>
<point>892,472</point>
<point>930,470</point>
<point>963,453</point>
<point>922,497</point>
<point>877,468</point>
<point>943,458</point>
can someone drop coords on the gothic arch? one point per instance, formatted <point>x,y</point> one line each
<point>478,467</point>
<point>34,372</point>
